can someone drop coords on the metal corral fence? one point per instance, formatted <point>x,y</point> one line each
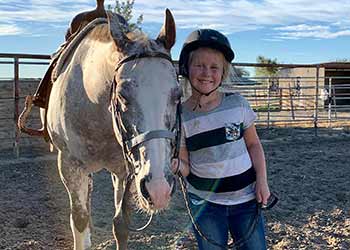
<point>306,100</point>
<point>13,91</point>
<point>297,101</point>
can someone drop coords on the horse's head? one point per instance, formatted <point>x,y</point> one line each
<point>145,99</point>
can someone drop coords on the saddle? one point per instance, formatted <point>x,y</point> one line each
<point>42,93</point>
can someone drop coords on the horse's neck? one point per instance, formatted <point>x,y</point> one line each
<point>67,50</point>
<point>89,73</point>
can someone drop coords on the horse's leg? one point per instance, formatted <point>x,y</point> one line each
<point>120,220</point>
<point>79,186</point>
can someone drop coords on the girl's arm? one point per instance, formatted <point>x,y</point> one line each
<point>183,165</point>
<point>257,157</point>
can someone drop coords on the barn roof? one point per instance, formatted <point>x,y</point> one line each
<point>336,65</point>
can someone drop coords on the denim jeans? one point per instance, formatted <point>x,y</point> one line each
<point>216,221</point>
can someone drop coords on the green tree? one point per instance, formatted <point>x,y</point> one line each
<point>266,71</point>
<point>125,8</point>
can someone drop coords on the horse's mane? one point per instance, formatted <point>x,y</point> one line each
<point>101,33</point>
<point>98,30</point>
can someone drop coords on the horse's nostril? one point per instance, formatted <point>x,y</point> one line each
<point>144,191</point>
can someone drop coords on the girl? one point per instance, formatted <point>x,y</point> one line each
<point>220,155</point>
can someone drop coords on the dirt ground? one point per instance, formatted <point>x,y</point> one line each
<point>309,174</point>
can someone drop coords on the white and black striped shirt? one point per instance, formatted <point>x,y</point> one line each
<point>221,168</point>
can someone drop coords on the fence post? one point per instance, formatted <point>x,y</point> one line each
<point>329,98</point>
<point>291,100</point>
<point>16,105</point>
<point>316,99</point>
<point>268,104</point>
<point>334,101</point>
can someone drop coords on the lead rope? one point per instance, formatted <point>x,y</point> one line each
<point>233,245</point>
<point>198,104</point>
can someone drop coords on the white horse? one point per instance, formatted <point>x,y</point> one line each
<point>89,137</point>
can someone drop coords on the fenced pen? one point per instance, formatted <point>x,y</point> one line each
<point>290,104</point>
<point>301,96</point>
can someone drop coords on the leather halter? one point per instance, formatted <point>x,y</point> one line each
<point>128,144</point>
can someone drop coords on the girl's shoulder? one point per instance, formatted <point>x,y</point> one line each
<point>232,94</point>
<point>234,98</point>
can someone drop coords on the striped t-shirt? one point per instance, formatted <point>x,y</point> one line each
<point>221,168</point>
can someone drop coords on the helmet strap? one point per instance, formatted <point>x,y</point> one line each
<point>198,104</point>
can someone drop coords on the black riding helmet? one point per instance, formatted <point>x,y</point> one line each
<point>204,38</point>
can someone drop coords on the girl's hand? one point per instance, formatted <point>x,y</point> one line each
<point>179,166</point>
<point>262,192</point>
<point>175,165</point>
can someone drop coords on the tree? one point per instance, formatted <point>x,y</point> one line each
<point>266,71</point>
<point>125,8</point>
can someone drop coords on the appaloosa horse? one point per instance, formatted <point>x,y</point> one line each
<point>115,97</point>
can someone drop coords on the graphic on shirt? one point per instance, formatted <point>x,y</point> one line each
<point>232,131</point>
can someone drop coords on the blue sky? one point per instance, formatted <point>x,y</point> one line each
<point>293,31</point>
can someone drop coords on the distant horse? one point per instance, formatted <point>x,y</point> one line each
<point>91,132</point>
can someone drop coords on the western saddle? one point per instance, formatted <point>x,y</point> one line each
<point>42,93</point>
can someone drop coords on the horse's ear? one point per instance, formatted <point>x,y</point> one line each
<point>167,34</point>
<point>117,30</point>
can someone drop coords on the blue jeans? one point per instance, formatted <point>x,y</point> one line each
<point>216,221</point>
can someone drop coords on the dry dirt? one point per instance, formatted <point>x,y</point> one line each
<point>309,174</point>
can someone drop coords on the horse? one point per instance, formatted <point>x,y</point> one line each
<point>115,101</point>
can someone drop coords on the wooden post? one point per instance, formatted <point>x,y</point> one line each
<point>16,105</point>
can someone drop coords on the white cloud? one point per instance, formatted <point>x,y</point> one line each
<point>303,27</point>
<point>310,31</point>
<point>10,30</point>
<point>325,34</point>
<point>286,18</point>
<point>244,15</point>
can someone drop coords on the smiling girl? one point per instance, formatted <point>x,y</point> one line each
<point>220,155</point>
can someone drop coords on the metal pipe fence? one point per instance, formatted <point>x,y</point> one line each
<point>310,101</point>
<point>16,60</point>
<point>307,104</point>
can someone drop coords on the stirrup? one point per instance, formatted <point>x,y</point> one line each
<point>23,118</point>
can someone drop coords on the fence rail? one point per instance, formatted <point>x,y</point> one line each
<point>314,101</point>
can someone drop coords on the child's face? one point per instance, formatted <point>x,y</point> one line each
<point>206,67</point>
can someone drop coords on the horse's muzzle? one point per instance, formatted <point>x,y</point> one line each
<point>170,179</point>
